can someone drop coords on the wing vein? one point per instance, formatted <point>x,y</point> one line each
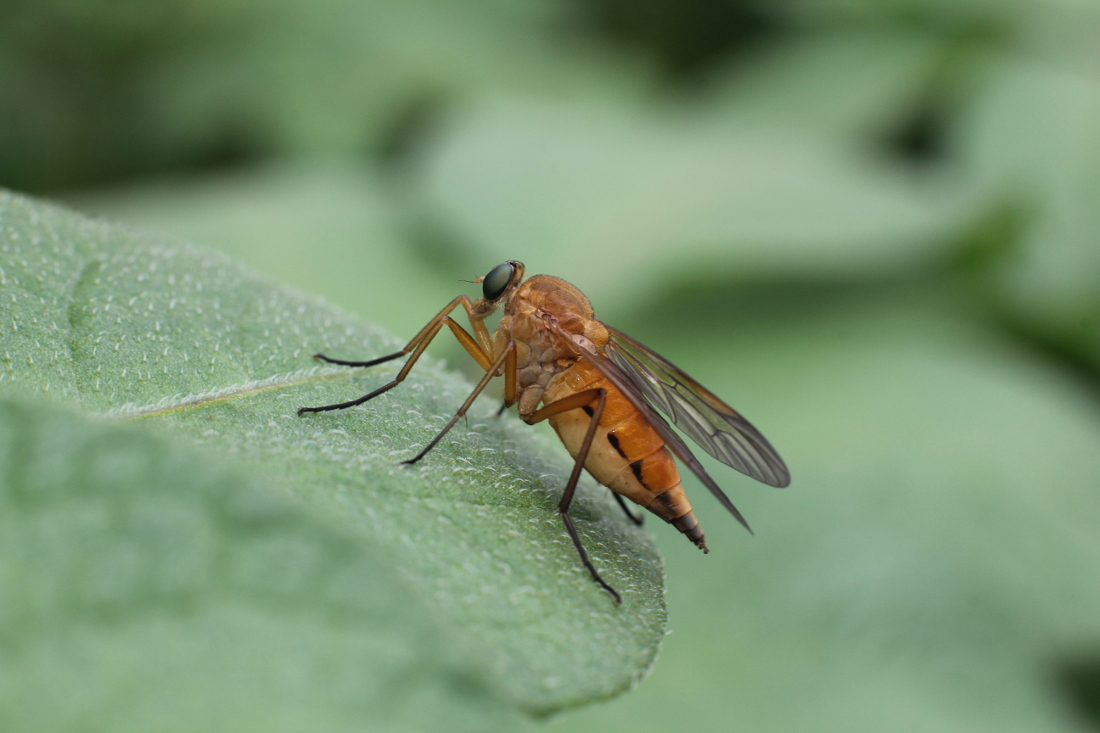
<point>715,426</point>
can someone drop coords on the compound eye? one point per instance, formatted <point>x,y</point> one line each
<point>497,280</point>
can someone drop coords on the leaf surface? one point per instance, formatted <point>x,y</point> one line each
<point>147,588</point>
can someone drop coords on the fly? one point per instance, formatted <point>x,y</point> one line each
<point>601,392</point>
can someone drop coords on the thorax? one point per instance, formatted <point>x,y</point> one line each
<point>549,321</point>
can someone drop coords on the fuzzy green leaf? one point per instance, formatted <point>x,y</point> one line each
<point>145,588</point>
<point>196,347</point>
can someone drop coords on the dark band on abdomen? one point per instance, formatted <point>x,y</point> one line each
<point>614,441</point>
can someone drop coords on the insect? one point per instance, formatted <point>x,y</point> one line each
<point>601,391</point>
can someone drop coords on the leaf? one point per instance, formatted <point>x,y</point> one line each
<point>644,194</point>
<point>144,587</point>
<point>950,15</point>
<point>1033,139</point>
<point>845,82</point>
<point>198,81</point>
<point>206,353</point>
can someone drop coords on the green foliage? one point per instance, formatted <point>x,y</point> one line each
<point>147,588</point>
<point>122,91</point>
<point>214,361</point>
<point>871,226</point>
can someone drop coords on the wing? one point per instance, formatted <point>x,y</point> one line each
<point>715,426</point>
<point>622,382</point>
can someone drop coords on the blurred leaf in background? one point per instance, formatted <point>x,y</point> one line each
<point>98,91</point>
<point>871,226</point>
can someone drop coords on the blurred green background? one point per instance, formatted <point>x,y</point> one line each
<point>874,227</point>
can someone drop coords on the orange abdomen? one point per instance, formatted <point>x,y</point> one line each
<point>627,455</point>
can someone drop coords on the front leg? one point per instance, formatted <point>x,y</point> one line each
<point>473,346</point>
<point>506,359</point>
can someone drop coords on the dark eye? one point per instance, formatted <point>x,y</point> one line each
<point>497,280</point>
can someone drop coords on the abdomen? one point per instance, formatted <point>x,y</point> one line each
<point>627,455</point>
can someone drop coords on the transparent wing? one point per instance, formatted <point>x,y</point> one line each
<point>619,379</point>
<point>715,426</point>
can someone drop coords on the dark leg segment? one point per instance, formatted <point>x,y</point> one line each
<point>372,362</point>
<point>416,346</point>
<point>638,520</point>
<point>568,522</point>
<point>420,347</point>
<point>351,403</point>
<point>575,402</point>
<point>465,405</point>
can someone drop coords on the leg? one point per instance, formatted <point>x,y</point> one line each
<point>482,333</point>
<point>506,359</point>
<point>574,402</point>
<point>638,520</point>
<point>417,345</point>
<point>511,384</point>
